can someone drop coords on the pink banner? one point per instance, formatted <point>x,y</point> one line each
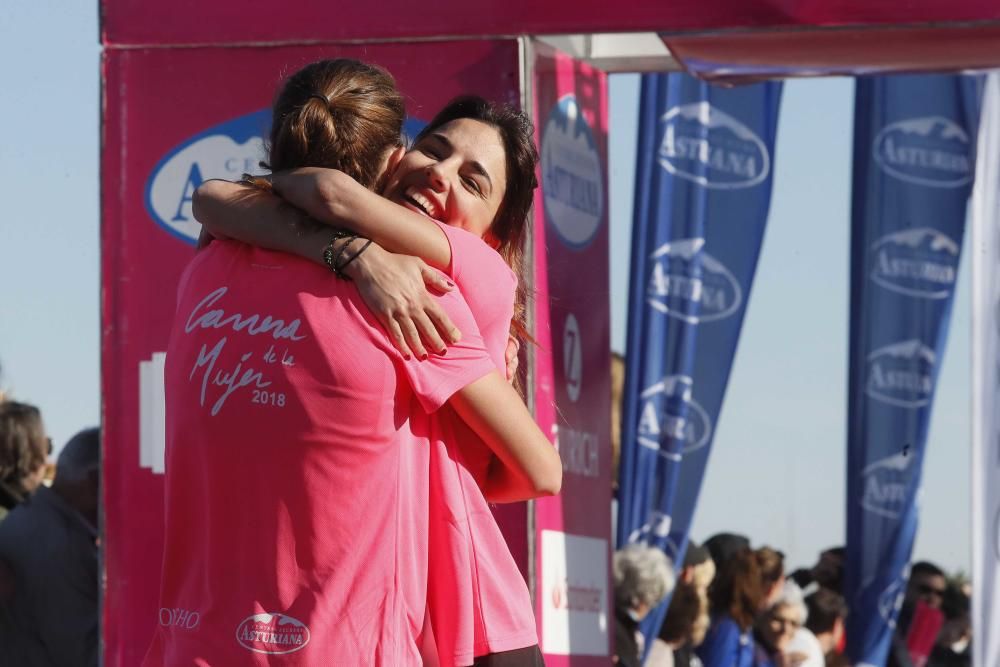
<point>573,361</point>
<point>139,22</point>
<point>175,117</point>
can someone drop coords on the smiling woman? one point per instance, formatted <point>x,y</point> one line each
<point>459,199</point>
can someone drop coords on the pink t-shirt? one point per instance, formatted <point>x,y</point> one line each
<point>297,469</point>
<point>479,601</point>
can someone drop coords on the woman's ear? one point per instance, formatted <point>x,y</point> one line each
<point>394,159</point>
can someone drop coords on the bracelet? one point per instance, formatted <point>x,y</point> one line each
<point>340,255</point>
<point>340,269</point>
<point>330,254</point>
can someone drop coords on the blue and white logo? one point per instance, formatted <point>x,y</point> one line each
<point>932,151</point>
<point>224,151</point>
<point>688,284</point>
<point>713,149</point>
<point>886,485</point>
<point>902,374</point>
<point>919,262</point>
<point>890,601</point>
<point>572,180</point>
<point>662,418</point>
<point>658,526</point>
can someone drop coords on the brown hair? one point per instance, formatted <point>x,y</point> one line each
<point>682,614</point>
<point>510,224</point>
<point>338,114</point>
<point>23,445</point>
<point>772,566</point>
<point>738,588</point>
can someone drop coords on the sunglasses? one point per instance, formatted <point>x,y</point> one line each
<point>926,589</point>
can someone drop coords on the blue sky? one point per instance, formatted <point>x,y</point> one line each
<point>777,469</point>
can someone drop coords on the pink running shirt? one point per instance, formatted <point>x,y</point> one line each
<point>479,601</point>
<point>296,484</point>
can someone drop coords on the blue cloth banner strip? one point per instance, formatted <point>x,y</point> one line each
<point>914,161</point>
<point>703,186</point>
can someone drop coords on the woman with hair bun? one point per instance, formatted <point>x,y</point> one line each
<point>441,204</point>
<point>321,424</point>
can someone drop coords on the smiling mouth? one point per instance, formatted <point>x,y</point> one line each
<point>422,204</point>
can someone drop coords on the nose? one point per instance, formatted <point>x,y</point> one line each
<point>436,178</point>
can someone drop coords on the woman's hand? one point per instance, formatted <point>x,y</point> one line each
<point>511,357</point>
<point>395,289</point>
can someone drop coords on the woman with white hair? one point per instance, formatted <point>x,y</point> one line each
<point>643,578</point>
<point>780,633</point>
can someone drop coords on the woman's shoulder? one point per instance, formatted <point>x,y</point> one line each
<point>470,254</point>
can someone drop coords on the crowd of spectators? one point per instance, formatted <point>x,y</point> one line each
<point>48,543</point>
<point>732,605</point>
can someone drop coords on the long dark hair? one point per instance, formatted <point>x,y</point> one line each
<point>510,224</point>
<point>23,446</point>
<point>738,588</point>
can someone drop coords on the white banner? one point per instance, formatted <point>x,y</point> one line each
<point>985,222</point>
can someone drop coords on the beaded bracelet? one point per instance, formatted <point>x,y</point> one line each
<point>332,255</point>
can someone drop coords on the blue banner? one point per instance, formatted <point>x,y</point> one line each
<point>703,188</point>
<point>914,146</point>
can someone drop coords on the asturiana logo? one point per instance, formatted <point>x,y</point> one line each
<point>658,525</point>
<point>670,413</point>
<point>887,485</point>
<point>572,179</point>
<point>931,150</point>
<point>274,634</point>
<point>225,151</point>
<point>688,284</point>
<point>920,262</point>
<point>902,374</point>
<point>710,147</point>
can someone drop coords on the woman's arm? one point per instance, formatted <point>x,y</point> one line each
<point>231,210</point>
<point>394,287</point>
<point>529,466</point>
<point>334,198</point>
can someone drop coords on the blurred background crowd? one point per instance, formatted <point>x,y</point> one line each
<point>48,542</point>
<point>735,605</point>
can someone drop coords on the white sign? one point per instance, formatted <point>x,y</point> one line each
<point>574,594</point>
<point>572,180</point>
<point>152,414</point>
